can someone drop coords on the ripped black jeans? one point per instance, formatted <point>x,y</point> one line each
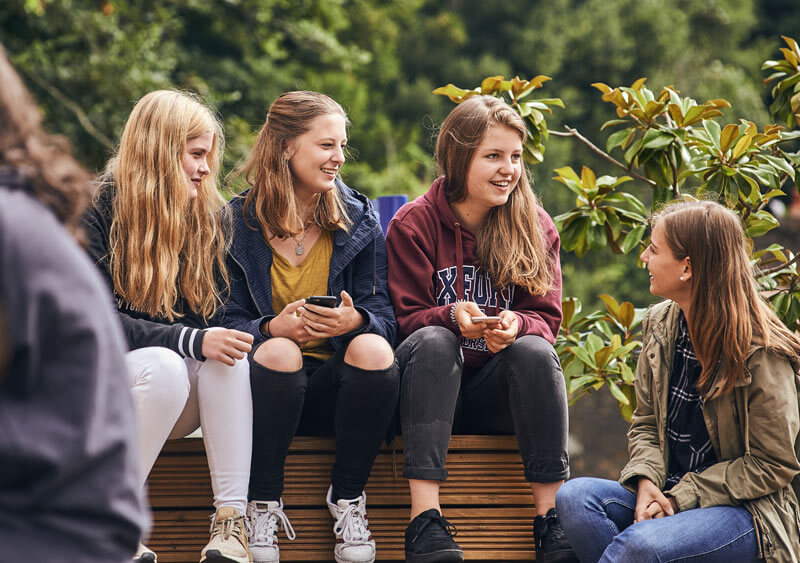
<point>519,391</point>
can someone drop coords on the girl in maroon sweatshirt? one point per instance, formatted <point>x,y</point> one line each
<point>478,245</point>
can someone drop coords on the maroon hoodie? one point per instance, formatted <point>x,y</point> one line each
<point>432,264</point>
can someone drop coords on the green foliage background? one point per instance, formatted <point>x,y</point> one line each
<point>89,61</point>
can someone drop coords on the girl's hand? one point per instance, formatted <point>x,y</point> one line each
<point>288,325</point>
<point>463,313</point>
<point>226,345</point>
<point>327,322</point>
<point>500,336</point>
<point>651,502</point>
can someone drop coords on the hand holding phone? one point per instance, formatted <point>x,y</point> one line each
<point>323,319</point>
<point>322,300</point>
<point>485,319</point>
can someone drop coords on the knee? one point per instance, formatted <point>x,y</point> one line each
<point>433,340</point>
<point>571,492</point>
<point>161,374</point>
<point>532,348</point>
<point>638,543</point>
<point>369,352</point>
<point>279,354</point>
<point>240,370</point>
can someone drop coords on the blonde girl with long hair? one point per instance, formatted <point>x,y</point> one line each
<point>157,232</point>
<point>475,280</point>
<point>714,445</point>
<point>322,366</point>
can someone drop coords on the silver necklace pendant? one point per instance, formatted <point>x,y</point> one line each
<point>298,249</point>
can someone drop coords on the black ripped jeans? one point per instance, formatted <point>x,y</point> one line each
<point>323,398</point>
<point>519,391</point>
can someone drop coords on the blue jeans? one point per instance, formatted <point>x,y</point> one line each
<point>597,516</point>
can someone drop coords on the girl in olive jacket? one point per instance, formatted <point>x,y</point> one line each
<point>714,447</point>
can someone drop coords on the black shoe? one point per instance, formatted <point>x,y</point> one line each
<point>429,539</point>
<point>550,541</point>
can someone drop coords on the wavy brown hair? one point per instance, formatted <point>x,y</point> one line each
<point>727,312</point>
<point>511,244</point>
<point>53,176</point>
<point>164,246</point>
<point>266,169</point>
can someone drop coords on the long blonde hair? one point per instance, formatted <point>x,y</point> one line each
<point>511,244</point>
<point>727,311</point>
<point>267,171</point>
<point>164,246</point>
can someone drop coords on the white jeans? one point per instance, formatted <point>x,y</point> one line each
<point>173,396</point>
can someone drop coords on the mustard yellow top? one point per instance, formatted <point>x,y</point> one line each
<point>291,283</point>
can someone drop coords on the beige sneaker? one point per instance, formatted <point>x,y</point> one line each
<point>228,542</point>
<point>144,555</point>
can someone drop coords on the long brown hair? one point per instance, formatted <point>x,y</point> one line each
<point>162,244</point>
<point>511,244</point>
<point>727,312</point>
<point>53,176</point>
<point>267,171</point>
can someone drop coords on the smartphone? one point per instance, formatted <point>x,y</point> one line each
<point>322,300</point>
<point>486,319</point>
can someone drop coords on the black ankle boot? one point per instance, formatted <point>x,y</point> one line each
<point>429,539</point>
<point>550,541</point>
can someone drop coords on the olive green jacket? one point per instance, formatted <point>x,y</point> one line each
<point>755,432</point>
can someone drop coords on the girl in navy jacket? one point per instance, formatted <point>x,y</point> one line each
<point>299,231</point>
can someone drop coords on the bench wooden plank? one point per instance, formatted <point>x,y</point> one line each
<point>486,497</point>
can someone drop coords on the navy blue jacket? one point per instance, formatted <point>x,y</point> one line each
<point>358,266</point>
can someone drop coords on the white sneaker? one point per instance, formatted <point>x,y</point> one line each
<point>144,555</point>
<point>266,518</point>
<point>354,543</point>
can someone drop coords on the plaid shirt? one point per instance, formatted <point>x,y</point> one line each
<point>689,445</point>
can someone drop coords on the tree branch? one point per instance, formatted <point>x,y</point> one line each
<point>778,268</point>
<point>83,119</point>
<point>600,152</point>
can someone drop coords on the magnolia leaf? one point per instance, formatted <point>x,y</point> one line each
<point>618,394</point>
<point>729,134</point>
<point>611,304</point>
<point>633,238</point>
<point>588,179</point>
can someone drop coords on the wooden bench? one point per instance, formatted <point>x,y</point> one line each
<point>485,497</point>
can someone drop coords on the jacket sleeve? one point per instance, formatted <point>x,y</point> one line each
<point>411,284</point>
<point>370,292</point>
<point>139,333</point>
<point>770,430</point>
<point>541,315</point>
<point>239,311</point>
<point>644,443</point>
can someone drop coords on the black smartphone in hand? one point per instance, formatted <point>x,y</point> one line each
<point>322,300</point>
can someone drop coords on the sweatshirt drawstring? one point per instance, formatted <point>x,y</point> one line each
<point>459,263</point>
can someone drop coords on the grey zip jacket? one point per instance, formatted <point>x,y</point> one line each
<point>69,485</point>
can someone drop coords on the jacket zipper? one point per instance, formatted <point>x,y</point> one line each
<point>247,283</point>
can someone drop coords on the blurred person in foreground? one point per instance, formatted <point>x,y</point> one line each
<point>69,485</point>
